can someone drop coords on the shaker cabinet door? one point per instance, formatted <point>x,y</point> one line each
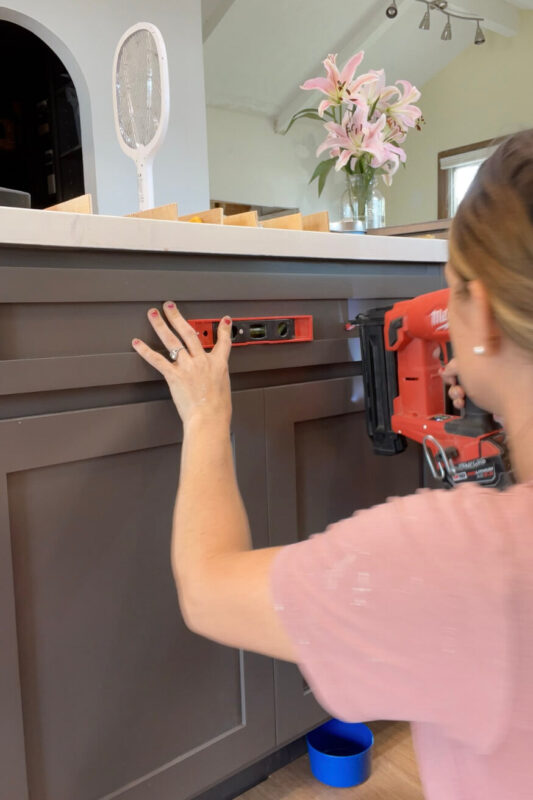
<point>104,692</point>
<point>321,468</point>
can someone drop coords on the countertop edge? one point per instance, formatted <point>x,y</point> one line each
<point>35,228</point>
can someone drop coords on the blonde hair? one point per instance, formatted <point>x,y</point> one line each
<point>491,238</point>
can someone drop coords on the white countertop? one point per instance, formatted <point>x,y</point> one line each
<point>59,229</point>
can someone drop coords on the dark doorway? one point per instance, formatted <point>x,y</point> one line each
<point>40,141</point>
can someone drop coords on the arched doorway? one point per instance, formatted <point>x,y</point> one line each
<point>40,139</point>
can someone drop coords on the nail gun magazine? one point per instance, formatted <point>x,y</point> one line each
<point>403,348</point>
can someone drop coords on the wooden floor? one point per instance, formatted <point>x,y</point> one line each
<point>394,774</point>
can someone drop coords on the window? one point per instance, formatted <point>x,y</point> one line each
<point>457,169</point>
<point>460,179</point>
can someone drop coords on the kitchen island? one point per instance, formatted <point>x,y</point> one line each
<point>104,692</point>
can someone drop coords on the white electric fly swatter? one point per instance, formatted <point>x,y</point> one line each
<point>141,101</point>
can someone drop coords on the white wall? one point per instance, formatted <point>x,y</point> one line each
<point>249,163</point>
<point>84,36</point>
<point>484,93</point>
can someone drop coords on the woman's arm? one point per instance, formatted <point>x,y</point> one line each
<point>223,585</point>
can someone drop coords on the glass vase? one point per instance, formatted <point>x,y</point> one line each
<point>362,204</point>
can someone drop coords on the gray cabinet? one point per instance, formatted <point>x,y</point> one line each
<point>104,692</point>
<point>321,468</point>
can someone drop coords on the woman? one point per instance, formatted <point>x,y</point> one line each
<point>419,609</point>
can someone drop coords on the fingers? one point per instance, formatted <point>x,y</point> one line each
<point>450,372</point>
<point>168,337</point>
<point>182,327</point>
<point>223,344</point>
<point>156,360</point>
<point>457,395</point>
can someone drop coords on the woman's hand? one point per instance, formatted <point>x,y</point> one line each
<point>456,392</point>
<point>198,381</point>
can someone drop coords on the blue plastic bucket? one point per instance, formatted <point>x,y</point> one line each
<point>341,753</point>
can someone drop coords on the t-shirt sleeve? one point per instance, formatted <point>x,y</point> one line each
<point>401,612</point>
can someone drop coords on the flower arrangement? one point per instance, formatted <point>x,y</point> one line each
<point>366,121</point>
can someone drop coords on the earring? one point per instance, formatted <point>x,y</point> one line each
<point>479,350</point>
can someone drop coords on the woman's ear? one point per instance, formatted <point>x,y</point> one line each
<point>487,329</point>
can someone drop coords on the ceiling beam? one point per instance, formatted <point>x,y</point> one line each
<point>216,11</point>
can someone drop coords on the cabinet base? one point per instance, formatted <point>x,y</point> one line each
<point>256,773</point>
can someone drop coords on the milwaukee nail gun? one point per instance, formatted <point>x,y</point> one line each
<point>403,348</point>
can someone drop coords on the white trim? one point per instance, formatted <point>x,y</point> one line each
<point>470,157</point>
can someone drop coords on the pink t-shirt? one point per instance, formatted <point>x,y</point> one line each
<point>421,609</point>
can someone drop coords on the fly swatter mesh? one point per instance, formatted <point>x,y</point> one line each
<point>138,89</point>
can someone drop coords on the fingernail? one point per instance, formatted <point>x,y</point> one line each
<point>135,342</point>
<point>154,314</point>
<point>227,320</point>
<point>169,305</point>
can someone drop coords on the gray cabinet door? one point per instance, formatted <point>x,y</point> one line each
<point>321,468</point>
<point>104,692</point>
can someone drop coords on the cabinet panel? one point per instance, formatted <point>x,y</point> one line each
<point>321,468</point>
<point>118,698</point>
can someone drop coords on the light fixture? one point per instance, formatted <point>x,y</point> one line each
<point>446,34</point>
<point>426,20</point>
<point>480,36</point>
<point>441,5</point>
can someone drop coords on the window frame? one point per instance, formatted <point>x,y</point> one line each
<point>444,200</point>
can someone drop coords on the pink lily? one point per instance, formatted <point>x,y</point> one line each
<point>391,166</point>
<point>394,133</point>
<point>338,85</point>
<point>402,111</point>
<point>371,89</point>
<point>355,136</point>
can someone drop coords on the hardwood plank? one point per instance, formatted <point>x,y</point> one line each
<point>168,212</point>
<point>319,221</point>
<point>292,222</point>
<point>246,218</point>
<point>213,216</point>
<point>78,205</point>
<point>394,774</point>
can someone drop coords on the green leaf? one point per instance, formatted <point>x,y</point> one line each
<point>374,106</point>
<point>310,113</point>
<point>321,172</point>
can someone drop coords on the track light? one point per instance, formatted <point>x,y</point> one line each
<point>426,19</point>
<point>392,10</point>
<point>442,7</point>
<point>480,36</point>
<point>446,34</point>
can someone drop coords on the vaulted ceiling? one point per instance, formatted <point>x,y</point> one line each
<point>258,52</point>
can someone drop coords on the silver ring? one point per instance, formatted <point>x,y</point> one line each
<point>173,354</point>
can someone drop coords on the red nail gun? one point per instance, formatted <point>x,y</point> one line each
<point>403,348</point>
